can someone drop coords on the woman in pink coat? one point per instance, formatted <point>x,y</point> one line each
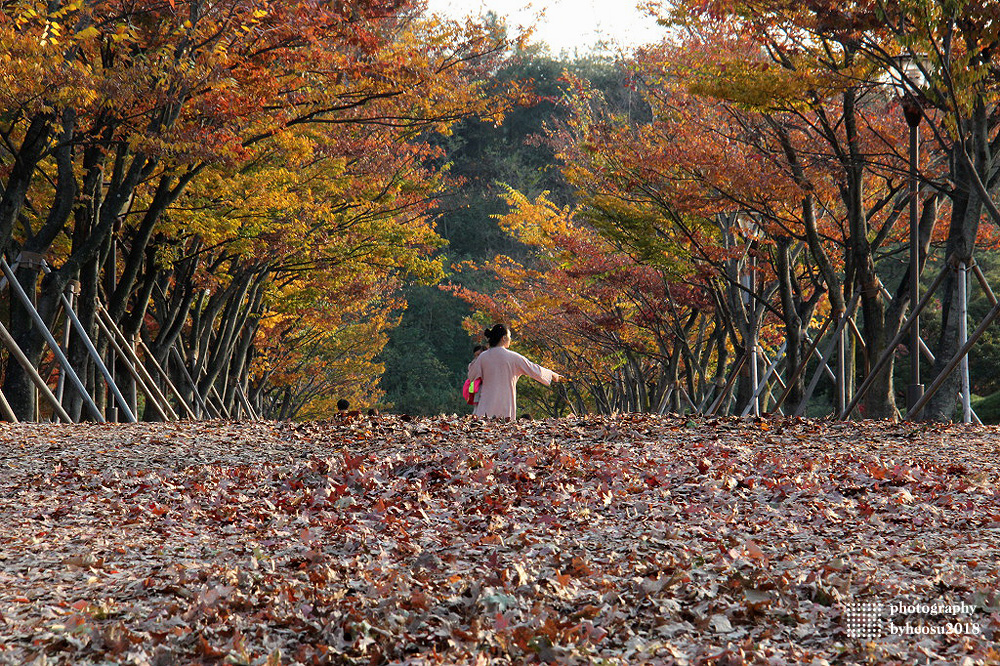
<point>499,368</point>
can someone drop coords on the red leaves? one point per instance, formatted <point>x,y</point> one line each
<point>754,552</point>
<point>574,540</point>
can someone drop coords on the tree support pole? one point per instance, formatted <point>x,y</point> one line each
<point>856,334</point>
<point>924,349</point>
<point>122,402</point>
<point>153,399</point>
<point>153,391</point>
<point>962,353</point>
<point>83,336</point>
<point>8,413</point>
<point>36,379</point>
<point>709,389</point>
<point>194,386</point>
<point>63,361</point>
<point>891,347</point>
<point>825,367</point>
<point>166,379</point>
<point>665,400</point>
<point>825,359</point>
<point>246,402</point>
<point>79,329</point>
<point>777,378</point>
<point>61,384</point>
<point>983,283</point>
<point>913,113</point>
<point>222,404</point>
<point>687,399</point>
<point>963,284</point>
<point>754,399</point>
<point>716,385</point>
<point>963,336</point>
<point>841,346</point>
<point>728,386</point>
<point>802,366</point>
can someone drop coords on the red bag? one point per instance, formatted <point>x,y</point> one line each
<point>470,390</point>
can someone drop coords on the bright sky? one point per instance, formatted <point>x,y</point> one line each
<point>566,25</point>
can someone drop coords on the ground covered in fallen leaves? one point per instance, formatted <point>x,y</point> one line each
<point>628,540</point>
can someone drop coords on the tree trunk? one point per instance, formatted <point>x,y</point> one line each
<point>18,387</point>
<point>22,171</point>
<point>967,209</point>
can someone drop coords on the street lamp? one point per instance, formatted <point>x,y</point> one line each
<point>908,78</point>
<point>913,113</point>
<point>751,231</point>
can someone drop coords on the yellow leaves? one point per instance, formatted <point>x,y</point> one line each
<point>536,222</point>
<point>327,334</point>
<point>87,33</point>
<point>50,34</point>
<point>760,86</point>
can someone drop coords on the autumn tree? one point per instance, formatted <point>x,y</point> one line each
<point>620,329</point>
<point>944,55</point>
<point>116,110</point>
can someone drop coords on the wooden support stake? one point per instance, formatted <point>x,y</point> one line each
<point>924,349</point>
<point>825,367</point>
<point>962,353</point>
<point>79,329</point>
<point>753,404</point>
<point>222,404</point>
<point>166,379</point>
<point>88,343</point>
<point>74,287</point>
<point>825,359</point>
<point>728,386</point>
<point>246,402</point>
<point>687,398</point>
<point>802,366</point>
<point>708,394</point>
<point>861,341</point>
<point>204,404</point>
<point>664,400</point>
<point>8,413</point>
<point>963,336</point>
<point>983,283</point>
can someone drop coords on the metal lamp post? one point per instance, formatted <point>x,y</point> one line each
<point>907,77</point>
<point>751,231</point>
<point>913,113</point>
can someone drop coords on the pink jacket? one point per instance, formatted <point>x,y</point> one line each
<point>499,369</point>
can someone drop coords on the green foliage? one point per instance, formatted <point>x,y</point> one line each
<point>428,354</point>
<point>984,361</point>
<point>987,408</point>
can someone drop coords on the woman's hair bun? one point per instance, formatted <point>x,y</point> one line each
<point>496,334</point>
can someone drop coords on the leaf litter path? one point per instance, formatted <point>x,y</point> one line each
<point>454,540</point>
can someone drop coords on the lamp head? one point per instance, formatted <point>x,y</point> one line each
<point>912,111</point>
